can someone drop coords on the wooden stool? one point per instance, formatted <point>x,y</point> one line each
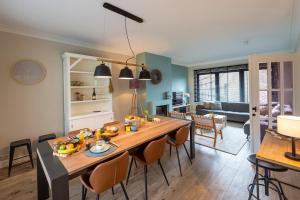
<point>16,144</point>
<point>43,138</point>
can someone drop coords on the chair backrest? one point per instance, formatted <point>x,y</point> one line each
<point>73,133</point>
<point>155,150</point>
<point>177,115</point>
<point>203,121</point>
<point>109,173</point>
<point>111,123</point>
<point>43,138</point>
<point>182,135</point>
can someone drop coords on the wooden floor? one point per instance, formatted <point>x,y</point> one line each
<point>214,175</point>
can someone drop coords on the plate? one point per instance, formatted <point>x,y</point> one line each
<point>86,134</point>
<point>100,149</point>
<point>106,134</point>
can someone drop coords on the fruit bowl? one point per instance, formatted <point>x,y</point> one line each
<point>68,147</point>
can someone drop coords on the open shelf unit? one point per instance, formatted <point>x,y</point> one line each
<point>79,80</point>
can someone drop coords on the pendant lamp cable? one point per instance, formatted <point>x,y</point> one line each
<point>128,40</point>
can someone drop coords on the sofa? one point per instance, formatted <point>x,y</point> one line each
<point>264,119</point>
<point>237,112</point>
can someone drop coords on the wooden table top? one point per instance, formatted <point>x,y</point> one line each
<point>272,150</point>
<point>147,132</point>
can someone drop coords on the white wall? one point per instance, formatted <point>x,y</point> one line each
<point>30,111</point>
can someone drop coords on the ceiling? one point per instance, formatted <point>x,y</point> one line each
<point>190,31</point>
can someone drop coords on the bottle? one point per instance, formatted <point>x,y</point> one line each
<point>98,134</point>
<point>94,94</point>
<point>81,137</point>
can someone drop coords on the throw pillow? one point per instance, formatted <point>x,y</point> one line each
<point>207,105</point>
<point>216,106</point>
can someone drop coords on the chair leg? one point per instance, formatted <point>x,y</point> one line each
<point>266,180</point>
<point>11,157</point>
<point>145,174</point>
<point>84,191</point>
<point>128,175</point>
<point>187,153</point>
<point>252,187</point>
<point>162,169</point>
<point>124,190</point>
<point>170,150</point>
<point>30,154</point>
<point>135,163</point>
<point>281,190</point>
<point>178,161</point>
<point>215,138</point>
<point>221,133</point>
<point>112,190</point>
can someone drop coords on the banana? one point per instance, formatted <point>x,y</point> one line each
<point>66,151</point>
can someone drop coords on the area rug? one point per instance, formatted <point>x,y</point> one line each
<point>233,139</point>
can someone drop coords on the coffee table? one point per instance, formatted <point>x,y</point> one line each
<point>219,119</point>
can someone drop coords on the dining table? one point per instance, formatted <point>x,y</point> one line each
<point>55,172</point>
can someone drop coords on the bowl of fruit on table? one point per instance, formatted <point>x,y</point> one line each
<point>67,147</point>
<point>108,131</point>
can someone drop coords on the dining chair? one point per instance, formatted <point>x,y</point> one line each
<point>111,123</point>
<point>105,176</point>
<point>208,123</point>
<point>177,115</point>
<point>179,139</point>
<point>148,155</point>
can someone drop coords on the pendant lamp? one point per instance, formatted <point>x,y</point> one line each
<point>144,74</point>
<point>102,71</point>
<point>126,73</point>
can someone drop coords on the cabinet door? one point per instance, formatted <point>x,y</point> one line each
<point>105,119</point>
<point>92,122</point>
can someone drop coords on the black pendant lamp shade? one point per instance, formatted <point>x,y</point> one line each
<point>102,71</point>
<point>144,75</point>
<point>126,73</point>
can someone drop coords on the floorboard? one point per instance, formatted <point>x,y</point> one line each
<point>214,175</point>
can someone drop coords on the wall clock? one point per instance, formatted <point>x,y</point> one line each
<point>156,76</point>
<point>28,72</point>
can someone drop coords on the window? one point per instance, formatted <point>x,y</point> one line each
<point>207,87</point>
<point>229,84</point>
<point>233,84</point>
<point>223,86</point>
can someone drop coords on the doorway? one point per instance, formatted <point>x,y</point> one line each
<point>272,82</point>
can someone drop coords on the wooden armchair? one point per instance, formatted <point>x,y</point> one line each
<point>177,115</point>
<point>207,123</point>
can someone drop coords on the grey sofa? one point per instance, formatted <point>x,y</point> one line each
<point>238,112</point>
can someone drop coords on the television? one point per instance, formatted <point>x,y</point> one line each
<point>177,98</point>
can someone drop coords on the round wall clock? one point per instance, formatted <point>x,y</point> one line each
<point>28,72</point>
<point>156,76</point>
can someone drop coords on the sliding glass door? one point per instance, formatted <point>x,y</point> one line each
<point>272,92</point>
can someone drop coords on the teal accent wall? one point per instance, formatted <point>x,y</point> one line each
<point>152,94</point>
<point>174,78</point>
<point>179,78</point>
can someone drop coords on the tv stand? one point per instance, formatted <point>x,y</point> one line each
<point>183,108</point>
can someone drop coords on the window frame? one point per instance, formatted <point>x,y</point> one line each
<point>217,71</point>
